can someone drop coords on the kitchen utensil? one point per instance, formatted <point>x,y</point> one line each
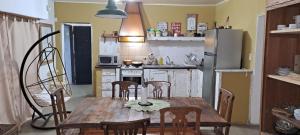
<point>137,64</point>
<point>282,111</point>
<point>297,20</point>
<point>192,59</point>
<point>127,62</point>
<point>161,61</point>
<point>292,26</point>
<point>285,127</point>
<point>281,27</point>
<point>283,71</point>
<point>151,59</point>
<point>297,114</point>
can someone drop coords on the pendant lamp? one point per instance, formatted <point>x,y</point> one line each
<point>111,11</point>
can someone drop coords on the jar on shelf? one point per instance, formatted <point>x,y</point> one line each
<point>157,33</point>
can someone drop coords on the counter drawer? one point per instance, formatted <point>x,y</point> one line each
<point>108,79</point>
<point>108,72</point>
<point>106,86</point>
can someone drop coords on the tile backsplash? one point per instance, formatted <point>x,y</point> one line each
<point>176,50</point>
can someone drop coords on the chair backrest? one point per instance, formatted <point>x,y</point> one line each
<point>124,89</point>
<point>225,105</point>
<point>157,90</point>
<point>180,121</point>
<point>126,128</point>
<point>59,108</point>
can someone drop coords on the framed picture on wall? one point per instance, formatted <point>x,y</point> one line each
<point>45,29</point>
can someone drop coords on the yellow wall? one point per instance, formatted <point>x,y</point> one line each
<point>240,112</point>
<point>85,12</point>
<point>243,15</point>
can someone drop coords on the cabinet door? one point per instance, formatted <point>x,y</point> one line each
<point>197,79</point>
<point>158,75</point>
<point>182,83</point>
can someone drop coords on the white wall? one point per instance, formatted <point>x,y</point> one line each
<point>257,77</point>
<point>31,8</point>
<point>176,50</point>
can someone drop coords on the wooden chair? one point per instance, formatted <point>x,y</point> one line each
<point>60,113</point>
<point>126,128</point>
<point>157,90</point>
<point>225,105</point>
<point>180,122</point>
<point>124,89</point>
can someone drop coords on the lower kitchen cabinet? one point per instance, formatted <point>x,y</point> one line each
<point>109,76</point>
<point>184,82</point>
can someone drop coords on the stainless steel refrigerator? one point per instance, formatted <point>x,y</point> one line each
<point>223,50</point>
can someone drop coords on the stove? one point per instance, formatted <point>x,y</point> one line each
<point>131,73</point>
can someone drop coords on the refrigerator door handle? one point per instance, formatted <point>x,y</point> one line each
<point>209,54</point>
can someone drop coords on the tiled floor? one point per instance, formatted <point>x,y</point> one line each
<point>81,91</point>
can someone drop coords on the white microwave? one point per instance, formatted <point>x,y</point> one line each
<point>108,60</point>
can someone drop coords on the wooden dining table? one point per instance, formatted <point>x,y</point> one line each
<point>92,111</point>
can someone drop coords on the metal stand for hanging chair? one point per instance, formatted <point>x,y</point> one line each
<point>41,83</point>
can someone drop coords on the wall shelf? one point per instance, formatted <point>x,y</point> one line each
<point>109,36</point>
<point>291,78</point>
<point>175,38</point>
<point>286,31</point>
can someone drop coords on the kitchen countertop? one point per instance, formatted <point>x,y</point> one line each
<point>169,67</point>
<point>151,67</point>
<point>107,66</point>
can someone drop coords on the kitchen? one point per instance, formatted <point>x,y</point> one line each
<point>199,47</point>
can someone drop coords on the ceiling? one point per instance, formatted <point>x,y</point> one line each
<point>166,2</point>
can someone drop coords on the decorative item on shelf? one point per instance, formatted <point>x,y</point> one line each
<point>164,33</point>
<point>201,28</point>
<point>162,26</point>
<point>114,35</point>
<point>227,26</point>
<point>176,28</point>
<point>150,32</point>
<point>157,33</point>
<point>191,22</point>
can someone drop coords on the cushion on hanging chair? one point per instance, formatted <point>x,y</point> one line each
<point>43,98</point>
